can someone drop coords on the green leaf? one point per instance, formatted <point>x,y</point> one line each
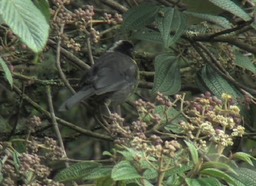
<point>245,62</point>
<point>209,182</point>
<point>139,16</point>
<point>147,34</point>
<point>167,79</point>
<point>169,114</point>
<point>16,160</point>
<point>76,171</point>
<point>216,84</point>
<point>192,182</point>
<point>26,21</point>
<point>231,7</point>
<point>174,128</point>
<point>218,20</point>
<point>203,182</point>
<point>105,181</point>
<point>99,172</point>
<point>244,176</point>
<point>172,24</point>
<point>124,171</point>
<point>107,153</point>
<point>218,174</point>
<point>179,170</point>
<point>217,165</point>
<point>150,174</point>
<point>44,7</point>
<point>244,156</point>
<point>129,154</point>
<point>7,72</point>
<point>193,151</point>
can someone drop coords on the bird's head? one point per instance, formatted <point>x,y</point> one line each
<point>123,46</point>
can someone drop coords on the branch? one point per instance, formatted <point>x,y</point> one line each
<point>55,124</point>
<point>70,56</point>
<point>61,73</point>
<point>223,38</point>
<point>216,66</point>
<point>59,120</point>
<point>115,5</point>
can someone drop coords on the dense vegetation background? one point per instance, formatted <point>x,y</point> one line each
<point>190,122</point>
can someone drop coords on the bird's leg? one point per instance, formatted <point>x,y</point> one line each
<point>106,104</point>
<point>103,123</point>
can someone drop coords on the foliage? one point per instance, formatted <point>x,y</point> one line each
<point>193,156</point>
<point>183,49</point>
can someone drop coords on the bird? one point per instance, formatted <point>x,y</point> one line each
<point>111,79</point>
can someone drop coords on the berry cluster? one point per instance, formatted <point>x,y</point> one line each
<point>213,120</point>
<point>116,19</point>
<point>137,135</point>
<point>17,166</point>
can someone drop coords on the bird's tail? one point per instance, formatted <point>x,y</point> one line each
<point>76,98</point>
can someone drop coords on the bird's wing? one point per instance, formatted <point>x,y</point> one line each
<point>85,93</point>
<point>110,72</point>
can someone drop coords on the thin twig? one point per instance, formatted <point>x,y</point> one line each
<point>55,124</point>
<point>146,73</point>
<point>224,39</point>
<point>244,27</point>
<point>145,84</point>
<point>90,50</point>
<point>62,75</point>
<point>222,71</point>
<point>70,56</point>
<point>115,5</point>
<point>59,120</point>
<point>18,113</point>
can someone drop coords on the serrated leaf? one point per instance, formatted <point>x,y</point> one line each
<point>169,114</point>
<point>174,128</point>
<point>202,182</point>
<point>216,84</point>
<point>139,16</point>
<point>231,7</point>
<point>129,154</point>
<point>171,117</point>
<point>218,20</point>
<point>44,7</point>
<point>179,170</point>
<point>192,182</point>
<point>193,151</point>
<point>76,171</point>
<point>245,62</point>
<point>7,72</point>
<point>167,79</point>
<point>217,165</point>
<point>209,182</point>
<point>147,34</point>
<point>99,172</point>
<point>170,20</point>
<point>244,156</point>
<point>218,174</point>
<point>150,174</point>
<point>124,171</point>
<point>26,21</point>
<point>245,176</point>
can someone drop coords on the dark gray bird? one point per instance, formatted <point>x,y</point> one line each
<point>112,78</point>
